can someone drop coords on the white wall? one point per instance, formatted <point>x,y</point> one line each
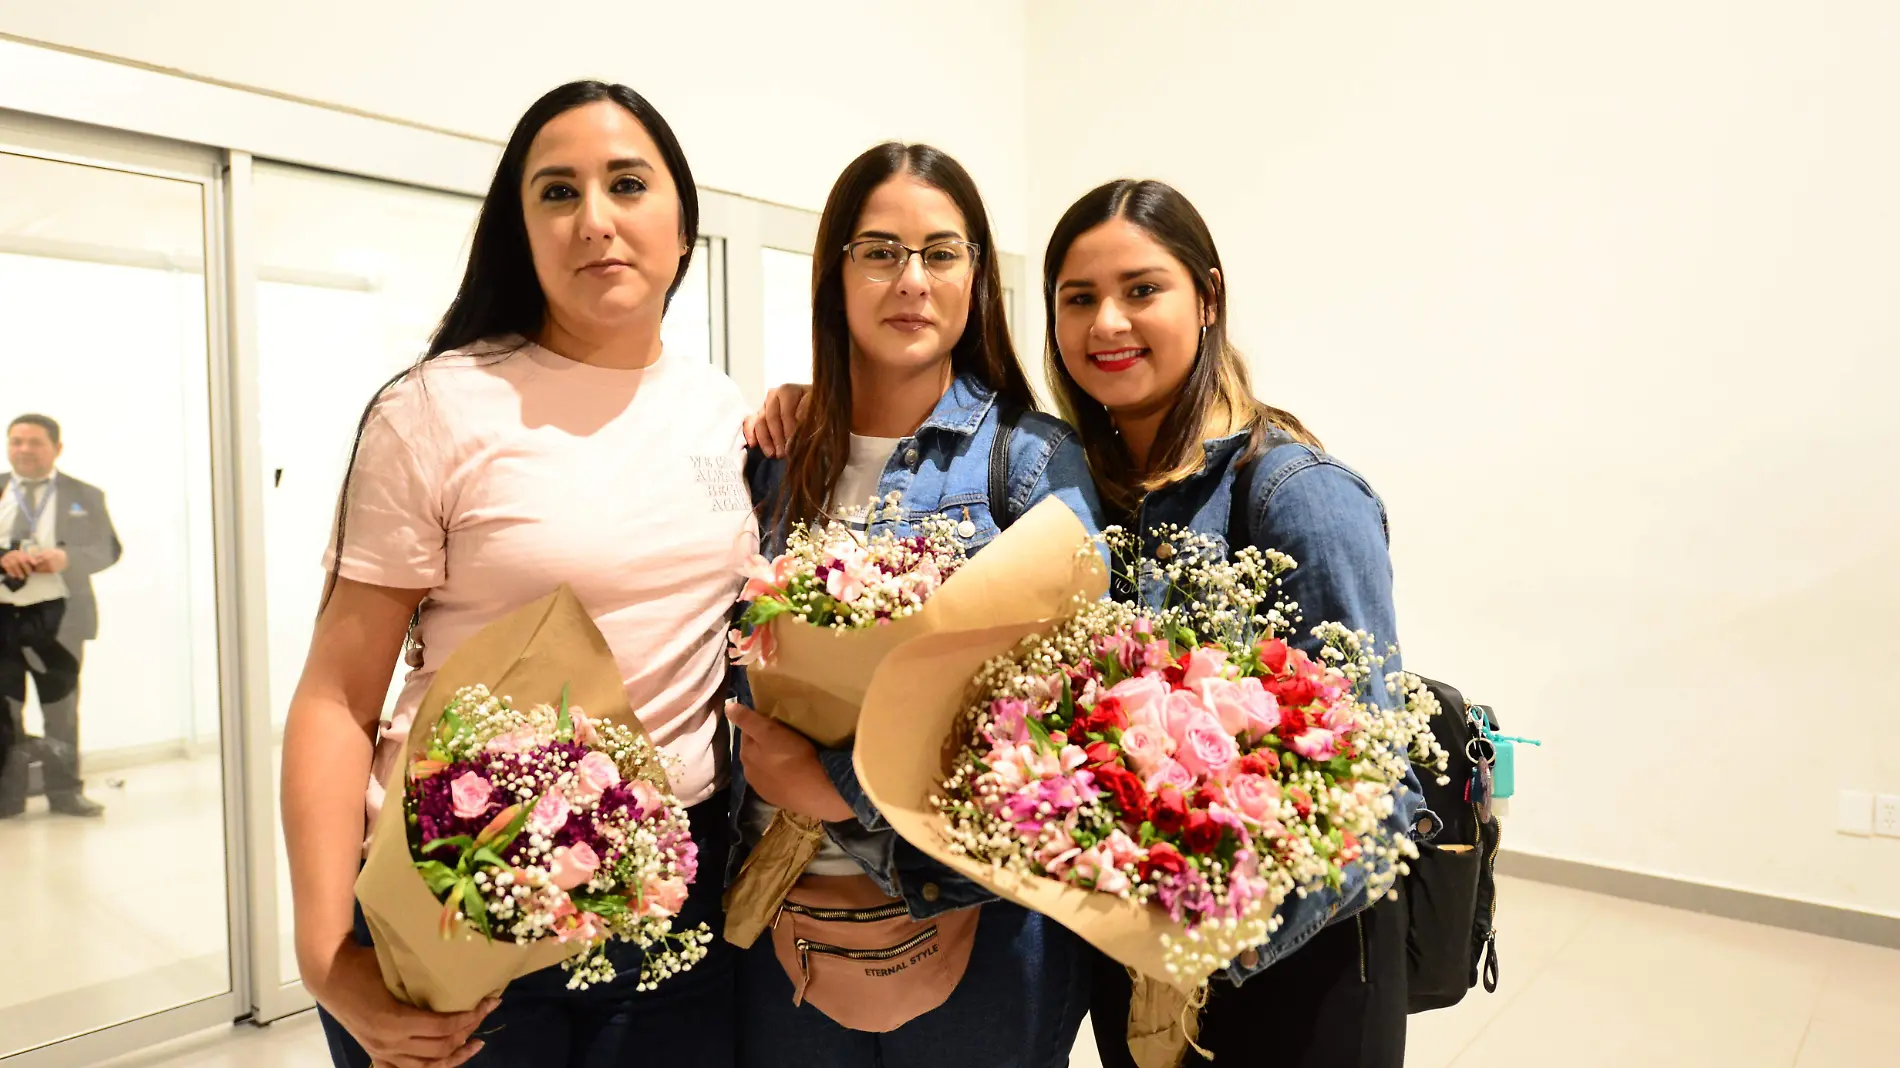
<point>770,100</point>
<point>1603,299</point>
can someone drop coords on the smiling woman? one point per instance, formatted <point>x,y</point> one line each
<point>548,439</point>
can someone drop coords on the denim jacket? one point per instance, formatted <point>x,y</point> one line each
<point>943,467</point>
<point>1324,515</point>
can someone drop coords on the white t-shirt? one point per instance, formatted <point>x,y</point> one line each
<point>490,480</point>
<point>857,485</point>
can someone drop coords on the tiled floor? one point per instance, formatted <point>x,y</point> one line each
<point>1586,981</point>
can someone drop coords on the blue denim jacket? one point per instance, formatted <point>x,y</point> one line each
<point>1324,515</point>
<point>943,467</point>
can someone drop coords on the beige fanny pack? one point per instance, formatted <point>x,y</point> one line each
<point>858,957</point>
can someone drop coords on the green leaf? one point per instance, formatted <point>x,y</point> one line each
<point>452,723</point>
<point>1039,732</point>
<point>606,906</point>
<point>1148,835</point>
<point>438,875</point>
<point>460,842</point>
<point>764,610</point>
<point>487,855</point>
<point>564,723</point>
<point>1068,702</point>
<point>476,909</point>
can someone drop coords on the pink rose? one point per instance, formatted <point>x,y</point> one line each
<point>1170,773</point>
<point>1317,743</point>
<point>1206,748</point>
<point>1183,708</point>
<point>1339,717</point>
<point>664,897</point>
<point>1201,665</point>
<point>1138,694</point>
<point>550,815</point>
<point>593,776</point>
<point>1146,748</point>
<point>471,793</point>
<point>574,865</point>
<point>647,797</point>
<point>1256,796</point>
<point>1263,709</point>
<point>1229,706</point>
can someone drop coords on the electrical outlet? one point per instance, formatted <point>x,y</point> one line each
<point>1854,812</point>
<point>1887,815</point>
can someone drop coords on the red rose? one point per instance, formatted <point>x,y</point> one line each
<point>1201,833</point>
<point>1163,859</point>
<point>1261,762</point>
<point>1293,692</point>
<point>1126,789</point>
<point>1293,723</point>
<point>1108,713</point>
<point>1210,794</point>
<point>1302,801</point>
<point>1274,654</point>
<point>1100,753</point>
<point>1169,810</point>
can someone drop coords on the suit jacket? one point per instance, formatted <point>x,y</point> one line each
<point>83,528</point>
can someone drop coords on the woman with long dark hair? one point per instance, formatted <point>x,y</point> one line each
<point>547,438</point>
<point>916,396</point>
<point>1140,361</point>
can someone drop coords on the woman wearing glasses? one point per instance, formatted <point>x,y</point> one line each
<point>914,382</point>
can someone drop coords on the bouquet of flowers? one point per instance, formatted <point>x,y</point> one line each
<point>827,611</point>
<point>527,834</point>
<point>835,578</point>
<point>541,824</point>
<point>1158,781</point>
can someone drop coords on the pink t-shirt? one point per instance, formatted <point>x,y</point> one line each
<point>490,480</point>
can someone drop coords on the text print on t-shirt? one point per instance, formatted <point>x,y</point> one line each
<point>720,478</point>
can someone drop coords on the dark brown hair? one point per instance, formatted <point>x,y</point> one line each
<point>1217,399</point>
<point>44,422</point>
<point>823,439</point>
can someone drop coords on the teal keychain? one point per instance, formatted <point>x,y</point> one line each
<point>1504,770</point>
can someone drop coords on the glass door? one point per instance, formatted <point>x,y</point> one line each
<point>116,805</point>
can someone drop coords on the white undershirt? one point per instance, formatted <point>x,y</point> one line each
<point>38,588</point>
<point>857,485</point>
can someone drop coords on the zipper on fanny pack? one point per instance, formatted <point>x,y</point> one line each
<point>870,915</point>
<point>806,947</point>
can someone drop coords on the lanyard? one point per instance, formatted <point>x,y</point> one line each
<point>31,513</point>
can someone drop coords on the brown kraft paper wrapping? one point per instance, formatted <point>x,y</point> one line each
<point>818,678</point>
<point>527,656</point>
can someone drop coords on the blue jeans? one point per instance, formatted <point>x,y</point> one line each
<point>541,1023</point>
<point>1019,1005</point>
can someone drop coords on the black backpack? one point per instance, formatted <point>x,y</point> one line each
<point>1451,891</point>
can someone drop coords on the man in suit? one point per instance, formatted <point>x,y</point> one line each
<point>56,534</point>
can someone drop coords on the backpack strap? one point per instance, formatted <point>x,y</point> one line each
<point>1240,509</point>
<point>999,464</point>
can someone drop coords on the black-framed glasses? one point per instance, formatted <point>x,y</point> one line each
<point>881,260</point>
